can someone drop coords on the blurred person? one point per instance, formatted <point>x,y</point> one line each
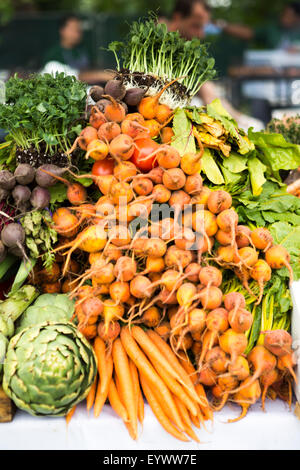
<point>283,34</point>
<point>191,19</point>
<point>69,55</point>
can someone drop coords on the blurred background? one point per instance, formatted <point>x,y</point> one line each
<point>256,47</point>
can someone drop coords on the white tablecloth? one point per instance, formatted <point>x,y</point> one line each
<point>277,428</point>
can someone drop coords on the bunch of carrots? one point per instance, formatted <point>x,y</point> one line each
<point>166,276</point>
<point>140,363</point>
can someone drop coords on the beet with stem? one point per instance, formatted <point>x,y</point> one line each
<point>13,237</point>
<point>21,194</point>
<point>96,92</point>
<point>46,180</point>
<point>134,96</point>
<point>115,88</point>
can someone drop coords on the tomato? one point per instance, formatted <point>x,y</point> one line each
<point>144,147</point>
<point>103,167</point>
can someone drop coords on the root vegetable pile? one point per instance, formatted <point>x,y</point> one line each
<point>182,292</point>
<point>166,272</point>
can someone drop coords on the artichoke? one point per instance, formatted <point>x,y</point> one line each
<point>47,307</point>
<point>10,310</point>
<point>49,368</point>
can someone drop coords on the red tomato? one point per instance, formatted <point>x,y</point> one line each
<point>144,147</point>
<point>103,167</point>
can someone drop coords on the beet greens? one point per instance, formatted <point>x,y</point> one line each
<point>43,109</point>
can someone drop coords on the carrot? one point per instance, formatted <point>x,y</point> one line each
<point>174,363</point>
<point>153,353</point>
<point>176,389</point>
<point>145,367</point>
<point>103,385</point>
<point>195,420</point>
<point>141,410</point>
<point>99,348</point>
<point>128,424</point>
<point>123,372</point>
<point>70,414</point>
<point>91,395</point>
<point>158,411</point>
<point>136,384</point>
<point>186,419</point>
<point>188,367</point>
<point>116,403</point>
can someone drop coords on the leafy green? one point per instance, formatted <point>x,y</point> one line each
<point>151,49</point>
<point>183,139</point>
<point>272,205</point>
<point>216,110</point>
<point>275,151</point>
<point>256,171</point>
<point>22,274</point>
<point>272,313</point>
<point>43,110</point>
<point>8,154</point>
<point>210,168</point>
<point>58,193</point>
<point>235,160</point>
<point>40,236</point>
<point>235,163</point>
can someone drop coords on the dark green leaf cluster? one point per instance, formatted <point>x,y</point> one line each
<point>40,236</point>
<point>150,48</point>
<point>274,204</point>
<point>253,159</point>
<point>42,110</point>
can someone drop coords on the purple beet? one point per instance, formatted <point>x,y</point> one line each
<point>134,96</point>
<point>21,194</point>
<point>43,179</point>
<point>40,198</point>
<point>7,180</point>
<point>13,237</point>
<point>24,173</point>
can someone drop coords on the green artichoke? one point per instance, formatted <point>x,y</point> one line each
<point>49,368</point>
<point>10,311</point>
<point>47,307</point>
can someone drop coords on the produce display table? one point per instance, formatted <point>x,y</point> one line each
<point>277,428</point>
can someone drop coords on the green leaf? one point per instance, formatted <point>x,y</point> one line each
<point>183,139</point>
<point>22,274</point>
<point>85,181</point>
<point>235,163</point>
<point>256,171</point>
<point>210,168</point>
<point>58,193</point>
<point>277,153</point>
<point>41,108</point>
<point>216,110</point>
<point>229,177</point>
